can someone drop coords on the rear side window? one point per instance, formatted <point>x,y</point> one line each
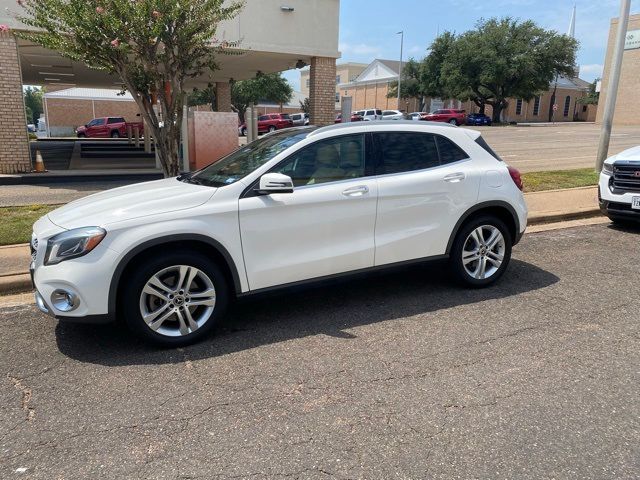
<point>449,151</point>
<point>482,142</point>
<point>405,152</point>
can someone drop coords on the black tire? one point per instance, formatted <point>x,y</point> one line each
<point>244,132</point>
<point>453,121</point>
<point>137,279</point>
<point>82,135</point>
<point>455,259</point>
<point>115,134</point>
<point>272,129</point>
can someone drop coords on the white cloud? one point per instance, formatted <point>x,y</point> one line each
<point>591,70</point>
<point>359,49</point>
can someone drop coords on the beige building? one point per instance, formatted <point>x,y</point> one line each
<point>345,72</point>
<point>370,88</point>
<point>264,28</point>
<point>565,94</point>
<point>628,99</point>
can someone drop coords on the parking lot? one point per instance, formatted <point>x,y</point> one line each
<point>563,146</point>
<point>396,375</point>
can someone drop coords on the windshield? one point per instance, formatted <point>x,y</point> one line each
<point>246,159</point>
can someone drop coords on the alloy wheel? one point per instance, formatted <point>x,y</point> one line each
<point>483,252</point>
<point>177,300</point>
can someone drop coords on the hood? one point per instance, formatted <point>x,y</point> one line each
<point>132,201</point>
<point>630,154</point>
<point>81,128</point>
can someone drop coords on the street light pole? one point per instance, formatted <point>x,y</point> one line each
<point>400,72</point>
<point>612,88</point>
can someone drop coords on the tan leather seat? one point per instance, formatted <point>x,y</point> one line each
<point>327,165</point>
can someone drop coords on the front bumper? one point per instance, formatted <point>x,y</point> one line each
<point>619,211</point>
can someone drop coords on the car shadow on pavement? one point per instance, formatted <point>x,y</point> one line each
<point>301,312</point>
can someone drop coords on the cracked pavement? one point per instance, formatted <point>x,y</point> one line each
<point>395,375</point>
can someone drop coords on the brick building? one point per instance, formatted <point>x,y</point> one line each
<point>628,99</point>
<point>345,72</point>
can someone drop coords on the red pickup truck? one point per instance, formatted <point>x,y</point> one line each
<point>105,127</point>
<point>269,123</point>
<point>454,117</point>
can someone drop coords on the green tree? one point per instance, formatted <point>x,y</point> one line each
<point>33,104</point>
<point>305,106</point>
<point>592,96</point>
<point>271,87</point>
<point>202,96</point>
<point>505,58</point>
<point>154,46</point>
<point>412,85</point>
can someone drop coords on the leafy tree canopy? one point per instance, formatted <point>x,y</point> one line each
<point>153,46</point>
<point>272,87</point>
<point>33,104</point>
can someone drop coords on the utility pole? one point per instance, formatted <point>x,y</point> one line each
<point>612,88</point>
<point>400,72</point>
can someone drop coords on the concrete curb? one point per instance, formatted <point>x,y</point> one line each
<point>18,283</point>
<point>561,217</point>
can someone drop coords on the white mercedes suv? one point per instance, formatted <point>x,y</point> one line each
<point>298,205</point>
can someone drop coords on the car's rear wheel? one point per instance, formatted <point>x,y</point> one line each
<point>453,121</point>
<point>481,251</point>
<point>115,134</point>
<point>272,129</point>
<point>244,132</point>
<point>175,299</point>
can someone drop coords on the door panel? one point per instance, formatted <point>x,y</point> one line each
<point>417,210</point>
<point>317,230</point>
<point>325,226</point>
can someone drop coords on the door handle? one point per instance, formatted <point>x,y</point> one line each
<point>454,177</point>
<point>356,191</point>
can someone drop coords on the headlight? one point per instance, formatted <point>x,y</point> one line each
<point>607,169</point>
<point>73,243</point>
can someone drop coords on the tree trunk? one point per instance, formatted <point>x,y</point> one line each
<point>497,110</point>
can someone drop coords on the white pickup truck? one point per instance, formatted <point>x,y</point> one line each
<point>619,186</point>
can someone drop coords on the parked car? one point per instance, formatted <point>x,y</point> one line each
<point>393,115</point>
<point>454,117</point>
<point>354,118</point>
<point>303,204</point>
<point>370,114</point>
<point>105,127</point>
<point>269,123</point>
<point>299,119</point>
<point>478,119</point>
<point>619,186</point>
<point>418,116</point>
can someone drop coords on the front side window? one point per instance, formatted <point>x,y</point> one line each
<point>95,121</point>
<point>245,160</point>
<point>405,152</point>
<point>262,118</point>
<point>331,160</point>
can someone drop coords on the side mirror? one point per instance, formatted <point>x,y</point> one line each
<point>275,183</point>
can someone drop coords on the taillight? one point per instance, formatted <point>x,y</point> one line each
<point>515,176</point>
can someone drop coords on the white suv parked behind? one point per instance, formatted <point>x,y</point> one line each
<point>297,205</point>
<point>619,186</point>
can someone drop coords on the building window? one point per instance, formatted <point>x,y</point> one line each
<point>567,103</point>
<point>337,97</point>
<point>337,79</point>
<point>519,106</point>
<point>536,105</point>
<point>308,82</point>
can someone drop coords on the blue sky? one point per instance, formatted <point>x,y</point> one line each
<point>368,27</point>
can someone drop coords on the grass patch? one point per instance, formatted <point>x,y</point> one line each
<point>538,181</point>
<point>16,223</point>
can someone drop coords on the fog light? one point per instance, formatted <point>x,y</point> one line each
<point>64,301</point>
<point>40,303</point>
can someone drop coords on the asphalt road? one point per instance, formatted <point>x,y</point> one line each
<point>400,375</point>
<point>564,146</point>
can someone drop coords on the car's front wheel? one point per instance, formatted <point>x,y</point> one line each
<point>453,121</point>
<point>175,299</point>
<point>272,129</point>
<point>481,251</point>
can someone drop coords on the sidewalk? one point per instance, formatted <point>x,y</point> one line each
<point>544,207</point>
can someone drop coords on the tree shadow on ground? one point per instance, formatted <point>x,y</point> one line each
<point>301,312</point>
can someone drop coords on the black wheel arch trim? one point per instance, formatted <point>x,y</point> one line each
<point>117,274</point>
<point>482,206</point>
